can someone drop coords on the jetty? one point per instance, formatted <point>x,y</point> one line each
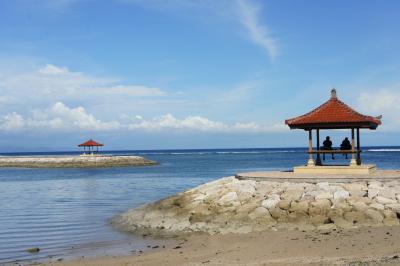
<point>91,158</point>
<point>74,161</point>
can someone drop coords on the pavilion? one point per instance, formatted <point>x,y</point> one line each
<point>90,147</point>
<point>334,114</point>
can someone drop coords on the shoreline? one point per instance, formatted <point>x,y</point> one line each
<point>78,161</point>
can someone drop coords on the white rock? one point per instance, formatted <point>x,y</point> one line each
<point>259,212</point>
<point>292,194</point>
<point>245,186</point>
<point>375,184</point>
<point>228,198</point>
<point>388,193</point>
<point>323,185</point>
<point>271,202</point>
<point>384,200</point>
<point>377,206</point>
<point>341,194</point>
<point>355,186</point>
<point>334,188</point>
<point>199,197</point>
<point>394,207</point>
<point>374,215</point>
<point>324,195</point>
<point>373,192</point>
<point>360,206</point>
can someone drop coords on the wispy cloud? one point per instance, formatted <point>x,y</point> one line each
<point>246,13</point>
<point>249,16</point>
<point>50,83</point>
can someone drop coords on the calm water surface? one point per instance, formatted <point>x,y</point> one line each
<point>66,212</point>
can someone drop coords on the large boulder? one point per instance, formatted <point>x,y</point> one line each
<point>284,204</point>
<point>385,201</point>
<point>377,206</point>
<point>229,199</point>
<point>292,194</point>
<point>320,207</point>
<point>373,192</point>
<point>355,217</point>
<point>341,194</point>
<point>260,212</point>
<point>271,201</point>
<point>324,195</point>
<point>279,214</point>
<point>297,207</point>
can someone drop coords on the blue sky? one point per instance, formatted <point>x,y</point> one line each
<point>154,74</point>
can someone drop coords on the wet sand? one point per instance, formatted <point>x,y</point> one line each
<point>362,246</point>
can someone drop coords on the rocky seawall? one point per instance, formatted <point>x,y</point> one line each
<point>229,205</point>
<point>74,161</point>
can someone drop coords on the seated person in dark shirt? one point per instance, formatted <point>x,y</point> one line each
<point>327,145</point>
<point>346,145</point>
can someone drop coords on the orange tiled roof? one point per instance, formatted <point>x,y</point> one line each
<point>333,114</point>
<point>90,143</point>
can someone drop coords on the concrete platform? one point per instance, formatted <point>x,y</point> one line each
<point>290,176</point>
<point>364,169</point>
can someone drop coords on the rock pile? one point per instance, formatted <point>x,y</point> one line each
<point>229,205</point>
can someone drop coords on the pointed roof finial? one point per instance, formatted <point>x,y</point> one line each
<point>333,93</point>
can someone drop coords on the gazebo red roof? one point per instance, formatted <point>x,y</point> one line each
<point>90,143</point>
<point>333,114</point>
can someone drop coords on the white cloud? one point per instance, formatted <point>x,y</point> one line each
<point>53,70</point>
<point>12,121</point>
<point>127,91</point>
<point>168,121</point>
<point>199,123</point>
<point>384,102</point>
<point>79,118</point>
<point>58,117</point>
<point>61,117</point>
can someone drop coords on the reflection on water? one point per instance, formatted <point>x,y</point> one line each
<point>66,212</point>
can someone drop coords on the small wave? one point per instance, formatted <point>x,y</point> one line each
<point>251,152</point>
<point>215,152</point>
<point>171,153</point>
<point>384,150</point>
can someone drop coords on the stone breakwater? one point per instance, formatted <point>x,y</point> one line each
<point>229,205</point>
<point>73,161</point>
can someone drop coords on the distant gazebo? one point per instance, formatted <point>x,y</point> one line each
<point>90,147</point>
<point>334,114</point>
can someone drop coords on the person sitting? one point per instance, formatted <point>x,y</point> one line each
<point>327,145</point>
<point>346,145</point>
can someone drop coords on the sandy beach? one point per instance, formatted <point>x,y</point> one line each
<point>362,246</point>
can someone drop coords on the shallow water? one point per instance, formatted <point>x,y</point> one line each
<point>66,212</point>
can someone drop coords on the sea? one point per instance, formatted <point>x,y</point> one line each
<point>66,212</point>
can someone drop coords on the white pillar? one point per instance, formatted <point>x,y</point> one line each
<point>310,158</point>
<point>353,161</point>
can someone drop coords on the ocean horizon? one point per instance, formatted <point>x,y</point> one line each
<point>66,212</point>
